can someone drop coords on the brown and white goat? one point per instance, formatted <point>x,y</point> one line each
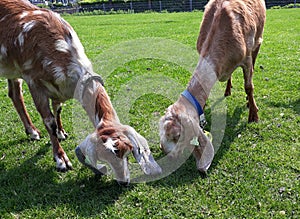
<point>40,47</point>
<point>230,36</point>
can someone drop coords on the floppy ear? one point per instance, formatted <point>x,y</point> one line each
<point>204,153</point>
<point>86,154</point>
<point>193,138</point>
<point>142,153</point>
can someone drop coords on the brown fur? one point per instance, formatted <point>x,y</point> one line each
<point>230,37</point>
<point>50,72</point>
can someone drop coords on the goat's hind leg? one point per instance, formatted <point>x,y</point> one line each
<point>228,88</point>
<point>249,89</point>
<point>57,108</point>
<point>15,93</point>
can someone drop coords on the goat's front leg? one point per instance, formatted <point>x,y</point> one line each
<point>15,93</point>
<point>249,88</point>
<point>41,101</point>
<point>57,107</point>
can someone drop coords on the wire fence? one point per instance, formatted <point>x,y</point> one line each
<point>156,6</point>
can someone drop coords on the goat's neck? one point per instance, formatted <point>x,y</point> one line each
<point>202,81</point>
<point>104,108</point>
<point>98,106</point>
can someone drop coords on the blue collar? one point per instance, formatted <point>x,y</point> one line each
<point>197,106</point>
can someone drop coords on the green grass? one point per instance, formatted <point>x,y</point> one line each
<point>255,173</point>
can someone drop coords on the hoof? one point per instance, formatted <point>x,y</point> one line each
<point>227,93</point>
<point>34,134</point>
<point>63,164</point>
<point>203,175</point>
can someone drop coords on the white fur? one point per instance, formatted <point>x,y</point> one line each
<point>46,62</point>
<point>27,65</point>
<point>37,12</point>
<point>110,145</point>
<point>28,26</point>
<point>205,74</point>
<point>60,164</point>
<point>82,58</point>
<point>59,75</point>
<point>62,46</point>
<point>34,135</point>
<point>60,135</point>
<point>24,14</point>
<point>3,51</point>
<point>20,39</point>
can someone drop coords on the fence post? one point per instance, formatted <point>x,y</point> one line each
<point>191,5</point>
<point>160,6</point>
<point>103,5</point>
<point>149,5</point>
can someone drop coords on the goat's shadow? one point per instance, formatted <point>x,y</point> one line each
<point>28,185</point>
<point>295,105</point>
<point>233,128</point>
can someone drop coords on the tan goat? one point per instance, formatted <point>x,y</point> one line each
<point>230,37</point>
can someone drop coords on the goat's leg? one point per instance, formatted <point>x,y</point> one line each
<point>15,93</point>
<point>42,104</point>
<point>61,133</point>
<point>254,54</point>
<point>249,88</point>
<point>228,88</point>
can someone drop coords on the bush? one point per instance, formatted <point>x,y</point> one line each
<point>43,6</point>
<point>297,5</point>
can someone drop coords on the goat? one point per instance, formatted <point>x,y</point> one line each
<point>230,37</point>
<point>40,47</point>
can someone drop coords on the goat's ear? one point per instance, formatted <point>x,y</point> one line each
<point>204,153</point>
<point>142,153</point>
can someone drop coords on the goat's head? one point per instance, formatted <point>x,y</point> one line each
<point>180,131</point>
<point>112,143</point>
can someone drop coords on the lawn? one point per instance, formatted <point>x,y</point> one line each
<point>146,60</point>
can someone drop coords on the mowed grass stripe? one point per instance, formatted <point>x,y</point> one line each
<point>255,173</point>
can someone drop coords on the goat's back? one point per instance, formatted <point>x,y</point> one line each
<point>229,32</point>
<point>38,44</point>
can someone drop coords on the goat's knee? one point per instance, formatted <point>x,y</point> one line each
<point>51,125</point>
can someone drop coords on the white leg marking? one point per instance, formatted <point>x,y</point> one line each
<point>61,135</point>
<point>34,135</point>
<point>60,164</point>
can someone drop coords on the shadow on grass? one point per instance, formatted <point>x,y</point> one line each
<point>233,128</point>
<point>295,106</point>
<point>32,187</point>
